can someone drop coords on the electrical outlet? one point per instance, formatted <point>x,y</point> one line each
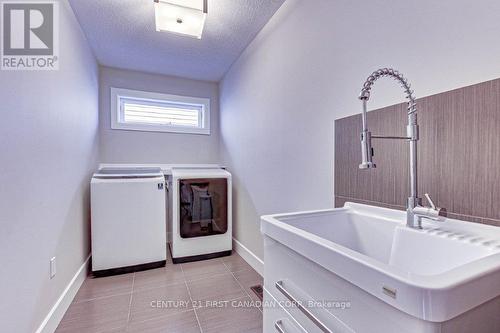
<point>52,267</point>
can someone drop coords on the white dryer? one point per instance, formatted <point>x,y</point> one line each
<point>200,214</point>
<point>128,220</point>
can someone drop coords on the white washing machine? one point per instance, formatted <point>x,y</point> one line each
<point>128,220</point>
<point>200,214</point>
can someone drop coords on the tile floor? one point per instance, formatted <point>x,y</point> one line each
<point>205,296</point>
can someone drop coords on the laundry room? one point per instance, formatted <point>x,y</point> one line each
<point>249,166</point>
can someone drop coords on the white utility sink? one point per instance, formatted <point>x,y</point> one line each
<point>435,273</point>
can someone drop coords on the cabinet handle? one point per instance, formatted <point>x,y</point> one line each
<point>304,310</point>
<point>279,326</point>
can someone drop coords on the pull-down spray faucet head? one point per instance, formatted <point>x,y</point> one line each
<point>366,151</point>
<point>366,138</point>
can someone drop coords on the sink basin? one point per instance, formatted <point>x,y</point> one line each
<point>435,273</point>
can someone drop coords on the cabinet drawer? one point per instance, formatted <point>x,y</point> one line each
<point>277,319</point>
<point>308,312</point>
<point>292,281</point>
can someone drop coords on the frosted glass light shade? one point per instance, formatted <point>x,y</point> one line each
<point>171,17</point>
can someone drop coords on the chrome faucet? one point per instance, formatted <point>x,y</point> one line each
<point>414,211</point>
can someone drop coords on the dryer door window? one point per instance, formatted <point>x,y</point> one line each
<point>203,207</point>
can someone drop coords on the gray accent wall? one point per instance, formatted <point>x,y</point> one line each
<point>123,146</point>
<point>49,148</point>
<point>458,154</point>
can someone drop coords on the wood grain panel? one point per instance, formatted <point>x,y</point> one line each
<point>458,154</point>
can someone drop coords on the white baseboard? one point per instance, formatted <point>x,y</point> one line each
<point>57,312</point>
<point>249,257</point>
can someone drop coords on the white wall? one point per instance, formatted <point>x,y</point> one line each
<point>305,68</point>
<point>49,147</point>
<point>121,146</point>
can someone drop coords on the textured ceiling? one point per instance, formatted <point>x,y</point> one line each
<point>122,34</point>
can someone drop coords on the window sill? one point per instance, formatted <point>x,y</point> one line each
<point>160,129</point>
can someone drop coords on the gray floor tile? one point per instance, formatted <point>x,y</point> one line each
<point>183,322</point>
<point>222,287</point>
<point>158,302</point>
<point>203,269</point>
<point>231,319</point>
<point>247,279</point>
<point>98,315</point>
<point>104,286</point>
<point>171,274</point>
<point>236,263</point>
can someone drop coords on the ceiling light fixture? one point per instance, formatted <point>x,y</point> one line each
<point>183,17</point>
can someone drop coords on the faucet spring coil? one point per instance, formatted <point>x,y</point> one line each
<point>367,86</point>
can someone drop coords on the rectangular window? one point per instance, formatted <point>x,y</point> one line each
<point>147,111</point>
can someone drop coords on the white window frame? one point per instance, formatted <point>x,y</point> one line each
<point>117,122</point>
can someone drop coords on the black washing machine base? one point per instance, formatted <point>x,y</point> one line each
<point>206,256</point>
